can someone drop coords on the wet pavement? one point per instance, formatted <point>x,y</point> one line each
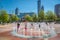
<point>7,36</point>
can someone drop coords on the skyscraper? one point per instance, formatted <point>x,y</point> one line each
<point>16,11</point>
<point>39,5</point>
<point>57,10</point>
<point>42,8</point>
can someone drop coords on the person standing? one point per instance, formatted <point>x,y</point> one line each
<point>39,26</point>
<point>18,25</point>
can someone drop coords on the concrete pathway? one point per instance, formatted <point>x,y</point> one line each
<point>7,27</point>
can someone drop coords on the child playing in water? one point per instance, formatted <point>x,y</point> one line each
<point>32,25</point>
<point>25,25</point>
<point>18,25</point>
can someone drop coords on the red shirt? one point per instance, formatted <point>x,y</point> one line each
<point>25,28</point>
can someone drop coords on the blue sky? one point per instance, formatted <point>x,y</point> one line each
<point>27,5</point>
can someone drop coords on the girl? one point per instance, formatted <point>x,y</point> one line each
<point>18,25</point>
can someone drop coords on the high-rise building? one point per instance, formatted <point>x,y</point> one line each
<point>42,8</point>
<point>57,10</point>
<point>39,5</point>
<point>16,11</point>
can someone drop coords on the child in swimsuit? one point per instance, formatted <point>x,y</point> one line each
<point>18,25</point>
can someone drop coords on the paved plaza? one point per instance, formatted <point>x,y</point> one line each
<point>6,35</point>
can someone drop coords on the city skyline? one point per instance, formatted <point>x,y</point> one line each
<point>27,5</point>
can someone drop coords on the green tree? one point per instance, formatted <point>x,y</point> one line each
<point>58,19</point>
<point>28,18</point>
<point>41,15</point>
<point>55,17</point>
<point>51,16</point>
<point>35,18</point>
<point>14,18</point>
<point>46,17</point>
<point>4,17</point>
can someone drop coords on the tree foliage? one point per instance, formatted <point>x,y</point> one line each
<point>4,17</point>
<point>14,18</point>
<point>28,18</point>
<point>41,15</point>
<point>51,16</point>
<point>35,17</point>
